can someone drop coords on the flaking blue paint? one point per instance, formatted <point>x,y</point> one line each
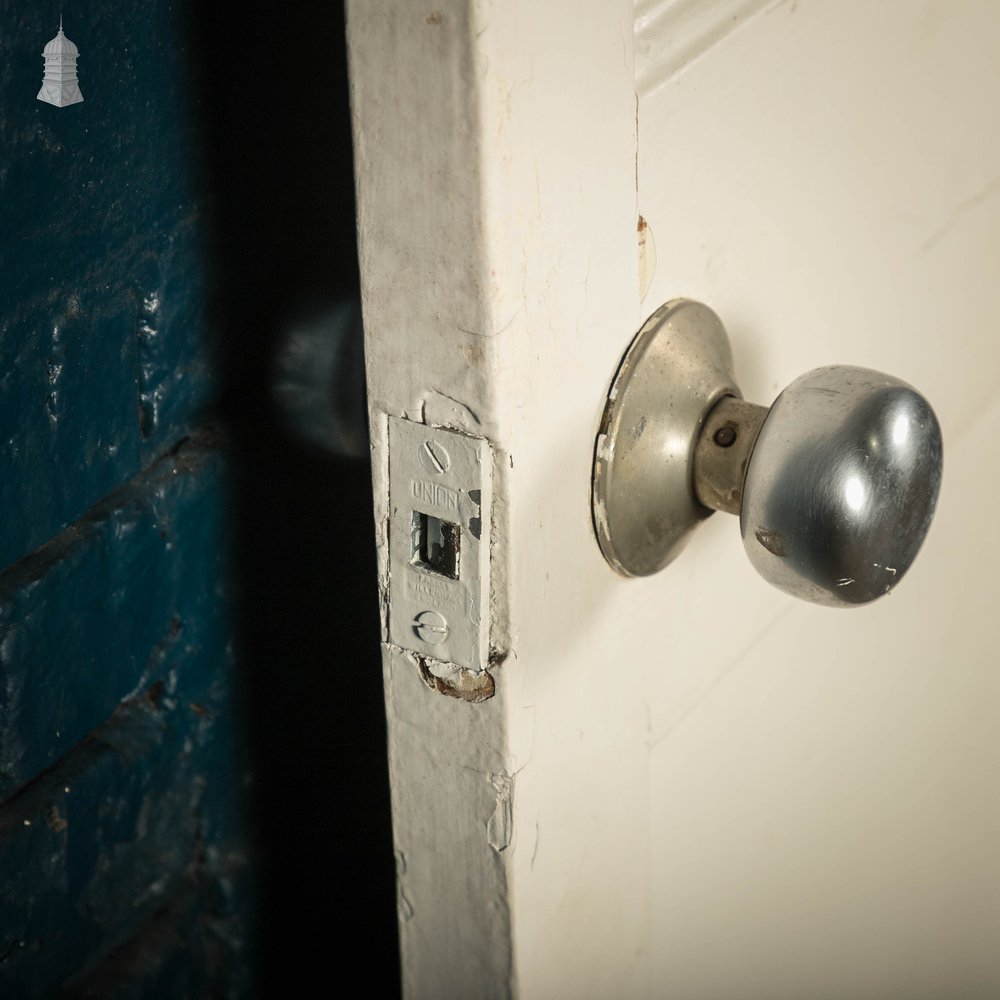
<point>99,217</point>
<point>85,619</point>
<point>121,783</point>
<point>93,849</point>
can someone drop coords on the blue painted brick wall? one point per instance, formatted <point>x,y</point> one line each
<point>123,862</point>
<point>103,360</point>
<point>90,616</point>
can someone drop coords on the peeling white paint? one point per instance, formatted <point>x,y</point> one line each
<point>499,830</point>
<point>441,410</point>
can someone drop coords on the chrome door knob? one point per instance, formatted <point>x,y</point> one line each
<point>835,484</point>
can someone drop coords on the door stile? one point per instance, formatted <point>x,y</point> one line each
<point>495,162</point>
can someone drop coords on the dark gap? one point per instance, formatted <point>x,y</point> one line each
<point>435,544</point>
<point>274,131</point>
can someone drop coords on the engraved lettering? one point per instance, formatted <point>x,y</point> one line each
<point>431,590</point>
<point>434,493</point>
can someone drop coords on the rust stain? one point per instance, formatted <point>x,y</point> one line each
<point>55,820</point>
<point>433,18</point>
<point>154,694</point>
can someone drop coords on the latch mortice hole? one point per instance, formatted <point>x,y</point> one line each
<point>434,544</point>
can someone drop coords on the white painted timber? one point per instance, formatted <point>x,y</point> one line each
<point>687,785</point>
<point>825,805</point>
<point>671,34</point>
<point>495,151</point>
<point>826,822</point>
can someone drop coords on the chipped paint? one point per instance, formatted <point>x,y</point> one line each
<point>455,682</point>
<point>438,409</point>
<point>449,762</point>
<point>500,827</point>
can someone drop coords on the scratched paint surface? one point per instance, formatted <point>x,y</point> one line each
<point>102,363</point>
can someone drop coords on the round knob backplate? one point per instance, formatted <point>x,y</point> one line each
<point>679,364</point>
<point>835,484</point>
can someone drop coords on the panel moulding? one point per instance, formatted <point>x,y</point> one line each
<point>672,34</point>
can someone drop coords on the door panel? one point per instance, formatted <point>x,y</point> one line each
<point>826,821</point>
<point>823,795</point>
<point>684,785</point>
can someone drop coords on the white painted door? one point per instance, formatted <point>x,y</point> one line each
<point>687,785</point>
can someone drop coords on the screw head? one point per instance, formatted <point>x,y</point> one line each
<point>434,457</point>
<point>725,436</point>
<point>431,627</point>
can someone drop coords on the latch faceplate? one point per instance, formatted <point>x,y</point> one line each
<point>440,496</point>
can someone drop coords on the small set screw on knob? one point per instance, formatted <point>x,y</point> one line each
<point>835,484</point>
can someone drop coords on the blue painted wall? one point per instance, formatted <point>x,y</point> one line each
<point>102,334</point>
<point>176,567</point>
<point>124,849</point>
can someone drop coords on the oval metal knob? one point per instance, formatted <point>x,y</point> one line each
<point>835,484</point>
